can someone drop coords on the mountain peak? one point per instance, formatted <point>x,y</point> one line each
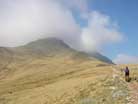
<point>48,41</point>
<point>44,47</point>
<point>55,46</point>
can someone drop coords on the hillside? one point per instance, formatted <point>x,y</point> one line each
<point>42,49</point>
<point>100,57</point>
<point>49,72</point>
<point>52,47</point>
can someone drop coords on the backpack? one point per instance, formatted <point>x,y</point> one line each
<point>126,71</point>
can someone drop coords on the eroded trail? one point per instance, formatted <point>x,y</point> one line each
<point>133,92</point>
<point>132,86</point>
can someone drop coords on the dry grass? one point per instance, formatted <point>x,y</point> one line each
<point>61,81</point>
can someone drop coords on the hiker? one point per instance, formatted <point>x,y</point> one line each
<point>127,74</point>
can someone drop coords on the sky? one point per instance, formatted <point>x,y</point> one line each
<point>125,13</point>
<point>106,26</point>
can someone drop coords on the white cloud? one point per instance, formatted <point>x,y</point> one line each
<point>78,5</point>
<point>126,59</point>
<point>22,21</point>
<point>100,31</point>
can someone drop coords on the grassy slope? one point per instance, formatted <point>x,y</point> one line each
<point>49,72</point>
<point>56,80</point>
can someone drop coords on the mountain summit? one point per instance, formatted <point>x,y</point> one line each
<point>44,47</point>
<point>51,47</point>
<point>54,46</point>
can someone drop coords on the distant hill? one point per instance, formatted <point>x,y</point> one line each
<point>50,47</point>
<point>43,48</point>
<point>100,57</point>
<point>47,46</point>
<point>56,46</point>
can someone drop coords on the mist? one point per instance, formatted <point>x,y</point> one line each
<point>23,21</point>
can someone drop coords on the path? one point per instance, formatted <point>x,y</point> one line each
<point>132,86</point>
<point>133,92</point>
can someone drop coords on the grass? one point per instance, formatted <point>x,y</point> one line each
<point>61,81</point>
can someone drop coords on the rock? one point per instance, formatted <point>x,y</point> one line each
<point>112,87</point>
<point>119,94</point>
<point>88,101</point>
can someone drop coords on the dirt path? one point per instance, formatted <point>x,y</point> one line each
<point>132,86</point>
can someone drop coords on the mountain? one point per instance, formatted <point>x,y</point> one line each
<point>44,48</point>
<point>100,57</point>
<point>47,46</point>
<point>54,46</point>
<point>48,71</point>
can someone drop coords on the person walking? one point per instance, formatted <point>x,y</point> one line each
<point>127,72</point>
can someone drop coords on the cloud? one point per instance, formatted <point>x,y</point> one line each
<point>22,21</point>
<point>100,31</point>
<point>79,5</point>
<point>126,59</point>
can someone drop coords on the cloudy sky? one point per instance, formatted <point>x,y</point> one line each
<point>107,26</point>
